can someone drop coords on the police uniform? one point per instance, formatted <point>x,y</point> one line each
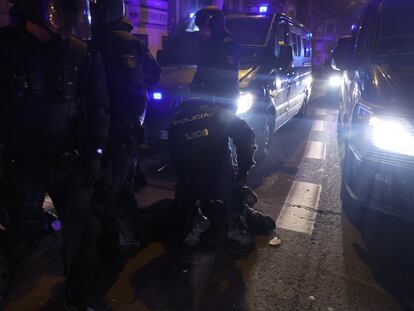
<point>54,122</point>
<point>129,67</point>
<point>199,147</point>
<point>218,68</point>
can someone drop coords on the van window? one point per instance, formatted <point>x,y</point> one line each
<point>282,34</point>
<point>397,19</point>
<point>299,39</point>
<point>366,25</point>
<point>249,31</point>
<point>294,42</point>
<point>307,47</point>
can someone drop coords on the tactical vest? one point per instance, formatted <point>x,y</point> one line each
<point>59,92</point>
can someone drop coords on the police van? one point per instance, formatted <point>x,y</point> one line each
<point>275,72</point>
<point>376,115</point>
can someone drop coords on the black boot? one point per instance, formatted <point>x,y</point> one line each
<point>199,225</point>
<point>236,230</point>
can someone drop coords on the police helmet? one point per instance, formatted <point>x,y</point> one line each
<point>107,11</point>
<point>213,17</point>
<point>65,17</point>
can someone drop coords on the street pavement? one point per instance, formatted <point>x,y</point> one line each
<point>323,263</point>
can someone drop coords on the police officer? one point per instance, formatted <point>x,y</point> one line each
<point>54,126</point>
<point>199,147</point>
<point>218,58</point>
<point>129,68</point>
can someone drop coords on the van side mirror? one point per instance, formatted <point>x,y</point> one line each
<point>343,56</point>
<point>285,56</point>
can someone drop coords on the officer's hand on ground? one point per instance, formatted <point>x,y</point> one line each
<point>91,170</point>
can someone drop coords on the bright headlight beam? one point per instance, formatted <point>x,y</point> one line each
<point>335,81</point>
<point>244,103</point>
<point>392,136</point>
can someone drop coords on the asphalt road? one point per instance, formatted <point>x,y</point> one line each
<point>323,263</point>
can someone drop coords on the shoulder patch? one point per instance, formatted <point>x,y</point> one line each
<point>129,61</point>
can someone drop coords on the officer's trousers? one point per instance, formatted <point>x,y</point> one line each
<point>29,184</point>
<point>117,210</point>
<point>122,157</point>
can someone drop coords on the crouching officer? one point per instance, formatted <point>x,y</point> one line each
<point>200,134</point>
<point>54,124</point>
<point>199,147</point>
<point>129,67</point>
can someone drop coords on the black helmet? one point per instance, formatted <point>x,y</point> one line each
<point>107,11</point>
<point>214,17</point>
<point>65,17</point>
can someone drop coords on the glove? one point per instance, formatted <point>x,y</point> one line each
<point>91,169</point>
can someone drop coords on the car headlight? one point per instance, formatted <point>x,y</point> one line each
<point>335,81</point>
<point>244,103</point>
<point>394,135</point>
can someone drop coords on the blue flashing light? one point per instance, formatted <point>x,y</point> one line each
<point>354,27</point>
<point>157,96</point>
<point>264,8</point>
<point>192,15</point>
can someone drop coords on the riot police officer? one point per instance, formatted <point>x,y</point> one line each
<point>199,147</point>
<point>54,127</point>
<point>129,67</point>
<point>218,58</point>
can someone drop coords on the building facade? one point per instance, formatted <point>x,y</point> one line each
<point>154,19</point>
<point>4,13</point>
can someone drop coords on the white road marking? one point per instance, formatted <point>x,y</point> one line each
<point>318,125</point>
<point>299,211</point>
<point>320,112</point>
<point>315,150</point>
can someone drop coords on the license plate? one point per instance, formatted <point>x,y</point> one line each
<point>163,134</point>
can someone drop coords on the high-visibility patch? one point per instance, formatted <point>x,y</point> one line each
<point>129,61</point>
<point>196,134</point>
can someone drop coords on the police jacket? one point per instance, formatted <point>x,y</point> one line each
<point>199,138</point>
<point>218,67</point>
<point>52,96</point>
<point>129,67</point>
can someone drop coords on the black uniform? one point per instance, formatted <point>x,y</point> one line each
<point>199,147</point>
<point>218,68</point>
<point>53,123</point>
<point>129,66</point>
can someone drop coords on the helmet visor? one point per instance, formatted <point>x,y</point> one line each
<point>68,17</point>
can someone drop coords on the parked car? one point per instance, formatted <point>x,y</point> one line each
<point>275,74</point>
<point>376,115</point>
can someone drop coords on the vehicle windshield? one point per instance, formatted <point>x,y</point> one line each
<point>397,27</point>
<point>249,32</point>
